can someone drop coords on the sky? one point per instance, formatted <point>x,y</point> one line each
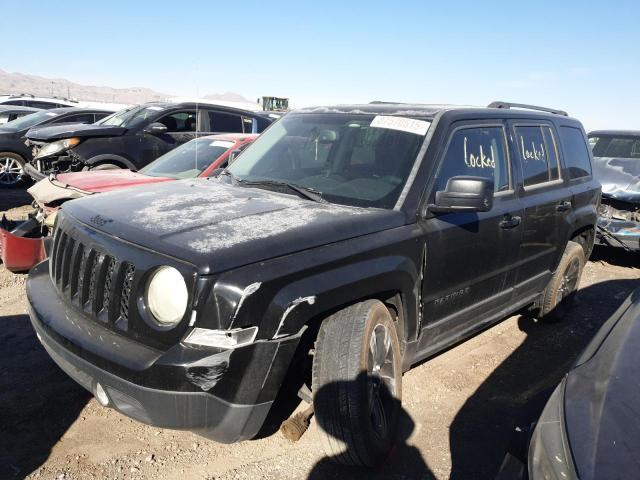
<point>578,56</point>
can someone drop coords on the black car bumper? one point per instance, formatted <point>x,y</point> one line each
<point>227,407</point>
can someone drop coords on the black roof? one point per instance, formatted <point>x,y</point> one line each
<point>430,111</point>
<point>63,110</point>
<point>204,104</point>
<point>615,133</point>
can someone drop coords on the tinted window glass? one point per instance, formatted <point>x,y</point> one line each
<point>538,155</point>
<point>79,118</point>
<point>225,122</point>
<point>477,152</point>
<point>14,102</point>
<point>39,104</point>
<point>100,116</point>
<point>29,121</point>
<point>180,122</point>
<point>576,153</point>
<point>618,147</point>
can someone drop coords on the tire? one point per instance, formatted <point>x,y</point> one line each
<point>561,290</point>
<point>11,170</point>
<point>357,397</point>
<point>106,166</point>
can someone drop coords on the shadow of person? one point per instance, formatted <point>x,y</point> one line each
<point>401,461</point>
<point>38,401</point>
<point>496,419</point>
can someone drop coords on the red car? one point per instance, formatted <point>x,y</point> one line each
<point>23,245</point>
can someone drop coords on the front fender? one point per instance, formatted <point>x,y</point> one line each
<point>284,294</point>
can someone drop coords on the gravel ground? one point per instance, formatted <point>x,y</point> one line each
<point>463,409</point>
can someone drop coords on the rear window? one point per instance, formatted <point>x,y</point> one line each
<point>576,153</point>
<point>615,146</point>
<point>538,154</point>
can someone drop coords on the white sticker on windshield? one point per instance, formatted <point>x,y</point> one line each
<point>157,109</point>
<point>222,143</point>
<point>419,127</point>
<point>51,114</point>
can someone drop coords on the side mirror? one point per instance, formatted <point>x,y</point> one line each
<point>464,194</point>
<point>155,128</point>
<point>233,155</point>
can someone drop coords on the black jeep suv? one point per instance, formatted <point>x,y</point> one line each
<point>134,137</point>
<point>345,245</point>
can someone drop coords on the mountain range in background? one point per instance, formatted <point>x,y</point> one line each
<point>60,87</point>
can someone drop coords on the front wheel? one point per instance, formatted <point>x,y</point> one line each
<point>357,383</point>
<point>106,166</point>
<point>11,169</point>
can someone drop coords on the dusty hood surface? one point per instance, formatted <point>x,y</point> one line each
<point>217,227</point>
<point>59,132</point>
<point>620,177</point>
<point>107,180</point>
<point>602,403</point>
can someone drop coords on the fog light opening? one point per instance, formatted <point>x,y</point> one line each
<point>101,395</point>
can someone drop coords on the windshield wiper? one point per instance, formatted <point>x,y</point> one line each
<point>306,192</point>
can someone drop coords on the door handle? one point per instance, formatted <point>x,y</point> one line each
<point>563,207</point>
<point>510,222</point>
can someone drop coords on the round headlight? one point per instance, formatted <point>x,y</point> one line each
<point>167,296</point>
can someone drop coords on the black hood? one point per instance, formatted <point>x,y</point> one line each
<point>218,227</point>
<point>620,177</point>
<point>59,132</point>
<point>602,400</point>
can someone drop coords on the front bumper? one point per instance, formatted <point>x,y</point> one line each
<point>20,254</point>
<point>224,395</point>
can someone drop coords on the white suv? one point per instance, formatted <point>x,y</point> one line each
<point>28,100</point>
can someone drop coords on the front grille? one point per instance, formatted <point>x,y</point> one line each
<point>96,282</point>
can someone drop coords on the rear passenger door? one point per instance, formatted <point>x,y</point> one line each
<point>181,127</point>
<point>546,201</point>
<point>470,257</point>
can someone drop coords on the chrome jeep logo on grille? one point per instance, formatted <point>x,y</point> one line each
<point>99,220</point>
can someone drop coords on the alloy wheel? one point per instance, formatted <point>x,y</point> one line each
<point>381,380</point>
<point>10,171</point>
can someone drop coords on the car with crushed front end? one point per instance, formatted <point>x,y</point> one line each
<point>590,427</point>
<point>24,243</point>
<point>617,167</point>
<point>343,246</point>
<point>15,153</point>
<point>135,136</point>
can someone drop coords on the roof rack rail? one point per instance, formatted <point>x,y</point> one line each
<point>500,104</point>
<point>383,102</point>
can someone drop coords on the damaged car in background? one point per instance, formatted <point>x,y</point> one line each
<point>617,167</point>
<point>15,154</point>
<point>23,244</point>
<point>134,137</point>
<point>345,245</point>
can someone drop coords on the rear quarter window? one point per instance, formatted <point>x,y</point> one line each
<point>576,152</point>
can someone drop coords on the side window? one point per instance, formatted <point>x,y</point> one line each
<point>538,154</point>
<point>576,153</point>
<point>179,122</point>
<point>100,116</point>
<point>40,104</point>
<point>222,122</point>
<point>478,152</point>
<point>79,118</point>
<point>15,102</point>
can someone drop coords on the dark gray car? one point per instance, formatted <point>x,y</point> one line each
<point>590,428</point>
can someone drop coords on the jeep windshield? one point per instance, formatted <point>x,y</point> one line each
<point>188,160</point>
<point>352,159</point>
<point>130,117</point>
<point>29,121</point>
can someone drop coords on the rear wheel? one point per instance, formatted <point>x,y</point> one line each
<point>560,293</point>
<point>11,169</point>
<point>357,383</point>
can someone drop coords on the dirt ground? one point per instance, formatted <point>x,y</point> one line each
<point>463,410</point>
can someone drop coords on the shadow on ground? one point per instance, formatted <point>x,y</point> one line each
<point>496,419</point>
<point>38,402</point>
<point>13,197</point>
<point>615,256</point>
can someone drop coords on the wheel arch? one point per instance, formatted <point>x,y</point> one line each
<point>111,158</point>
